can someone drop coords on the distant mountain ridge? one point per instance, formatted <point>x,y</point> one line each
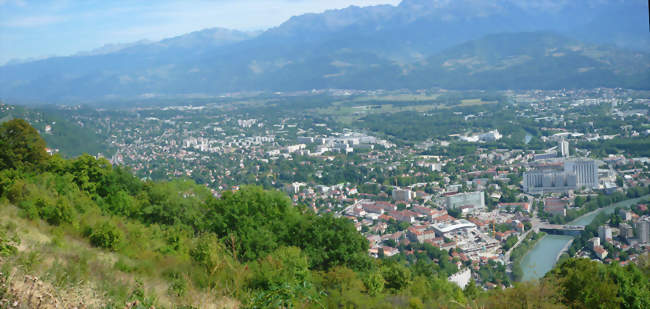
<point>460,44</point>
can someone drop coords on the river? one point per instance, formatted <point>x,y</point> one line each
<point>542,257</point>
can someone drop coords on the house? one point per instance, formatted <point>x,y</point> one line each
<point>395,236</point>
<point>390,251</point>
<point>482,225</point>
<point>556,206</point>
<point>424,211</point>
<point>421,235</point>
<point>373,240</point>
<point>404,216</point>
<point>601,253</point>
<point>386,206</point>
<point>379,228</point>
<point>443,218</point>
<point>358,212</point>
<point>372,208</point>
<point>503,236</point>
<point>436,242</point>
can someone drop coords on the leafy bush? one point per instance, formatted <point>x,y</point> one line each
<point>8,242</point>
<point>397,276</point>
<point>106,235</point>
<point>207,252</point>
<point>284,265</point>
<point>60,212</point>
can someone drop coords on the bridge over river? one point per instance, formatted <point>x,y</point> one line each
<point>558,229</point>
<point>543,256</point>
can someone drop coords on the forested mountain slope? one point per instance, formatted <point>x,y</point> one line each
<point>380,47</point>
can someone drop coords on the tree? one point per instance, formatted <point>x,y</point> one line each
<point>374,283</point>
<point>106,235</point>
<point>586,284</point>
<point>330,241</point>
<point>21,146</point>
<point>471,290</point>
<point>397,276</point>
<point>286,265</point>
<point>208,252</point>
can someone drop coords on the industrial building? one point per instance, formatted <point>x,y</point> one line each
<point>576,174</point>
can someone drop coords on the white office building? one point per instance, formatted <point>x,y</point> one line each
<point>476,200</point>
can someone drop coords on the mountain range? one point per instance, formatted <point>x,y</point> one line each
<point>460,44</point>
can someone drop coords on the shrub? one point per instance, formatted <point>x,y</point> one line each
<point>8,243</point>
<point>60,212</point>
<point>106,235</point>
<point>16,191</point>
<point>208,252</point>
<point>284,265</point>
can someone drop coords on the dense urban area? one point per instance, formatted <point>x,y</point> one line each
<point>471,180</point>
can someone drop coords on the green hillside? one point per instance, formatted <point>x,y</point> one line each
<point>69,138</point>
<point>81,232</point>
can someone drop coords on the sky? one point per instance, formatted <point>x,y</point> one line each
<point>44,28</point>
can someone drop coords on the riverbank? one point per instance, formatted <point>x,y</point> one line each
<point>520,251</point>
<point>544,255</point>
<point>588,217</point>
<point>564,249</point>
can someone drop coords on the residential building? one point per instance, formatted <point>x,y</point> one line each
<point>556,206</point>
<point>601,253</point>
<point>643,229</point>
<point>605,234</point>
<point>402,194</point>
<point>627,232</point>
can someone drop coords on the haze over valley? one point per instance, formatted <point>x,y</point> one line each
<point>317,154</point>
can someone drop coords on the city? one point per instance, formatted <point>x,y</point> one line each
<point>476,194</point>
<point>419,154</point>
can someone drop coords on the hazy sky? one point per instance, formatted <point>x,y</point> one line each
<point>38,28</point>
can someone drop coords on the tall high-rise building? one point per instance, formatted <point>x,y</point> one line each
<point>575,174</point>
<point>544,181</point>
<point>586,172</point>
<point>564,148</point>
<point>643,230</point>
<point>605,234</point>
<point>627,232</point>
